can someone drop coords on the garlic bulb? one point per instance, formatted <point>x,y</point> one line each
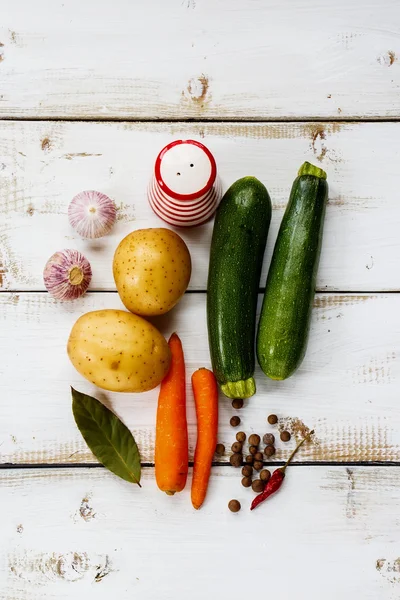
<point>92,214</point>
<point>67,275</point>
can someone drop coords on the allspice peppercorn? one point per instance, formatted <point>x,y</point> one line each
<point>249,459</point>
<point>253,450</point>
<point>237,403</point>
<point>285,436</point>
<point>247,471</point>
<point>257,486</point>
<point>269,438</point>
<point>269,450</point>
<point>241,436</point>
<point>254,439</point>
<point>272,419</point>
<point>235,421</point>
<point>258,456</point>
<point>236,460</point>
<point>246,481</point>
<point>258,465</point>
<point>234,506</point>
<point>220,449</point>
<point>265,475</point>
<point>236,447</point>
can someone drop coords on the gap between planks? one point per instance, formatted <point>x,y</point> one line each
<point>258,119</point>
<point>260,291</point>
<point>148,465</point>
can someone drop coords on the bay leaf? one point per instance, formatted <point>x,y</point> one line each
<point>107,437</point>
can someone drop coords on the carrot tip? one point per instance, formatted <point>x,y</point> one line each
<point>169,493</point>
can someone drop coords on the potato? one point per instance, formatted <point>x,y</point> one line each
<point>152,270</point>
<point>118,351</point>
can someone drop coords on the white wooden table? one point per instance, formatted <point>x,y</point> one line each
<point>89,93</point>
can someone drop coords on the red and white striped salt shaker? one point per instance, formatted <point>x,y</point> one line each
<point>184,189</point>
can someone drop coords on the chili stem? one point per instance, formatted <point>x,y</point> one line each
<point>296,449</point>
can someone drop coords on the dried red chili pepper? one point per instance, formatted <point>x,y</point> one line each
<point>277,477</point>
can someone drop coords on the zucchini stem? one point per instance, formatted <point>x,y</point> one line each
<point>239,389</point>
<point>309,169</point>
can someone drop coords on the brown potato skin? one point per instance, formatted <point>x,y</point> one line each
<point>118,351</point>
<point>152,269</point>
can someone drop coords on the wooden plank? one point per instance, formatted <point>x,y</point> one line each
<point>347,387</point>
<point>85,534</point>
<point>43,165</point>
<point>200,59</point>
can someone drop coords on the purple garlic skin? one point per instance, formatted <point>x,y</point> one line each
<point>67,275</point>
<point>92,214</point>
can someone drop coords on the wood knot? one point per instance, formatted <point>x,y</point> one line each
<point>198,89</point>
<point>46,144</point>
<point>387,58</point>
<point>86,511</point>
<point>318,136</point>
<point>390,569</point>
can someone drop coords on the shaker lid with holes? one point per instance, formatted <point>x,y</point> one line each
<point>185,170</point>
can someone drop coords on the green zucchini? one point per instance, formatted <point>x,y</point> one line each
<point>237,249</point>
<point>286,311</point>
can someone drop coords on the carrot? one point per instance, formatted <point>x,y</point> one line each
<point>171,456</point>
<point>205,392</point>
